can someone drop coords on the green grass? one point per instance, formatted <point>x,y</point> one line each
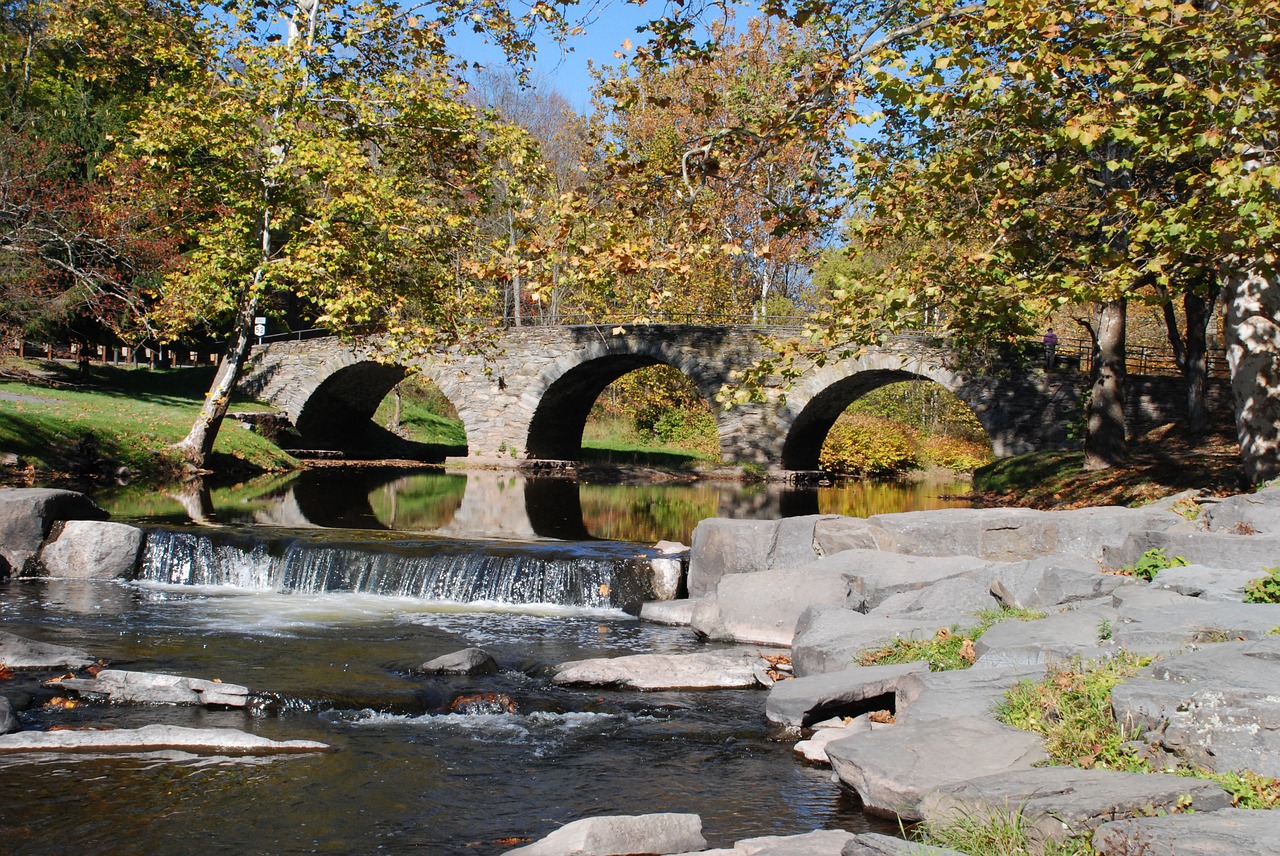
<point>1071,709</point>
<point>120,417</point>
<point>615,441</point>
<point>949,649</point>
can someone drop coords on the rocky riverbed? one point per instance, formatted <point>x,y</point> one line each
<point>914,744</point>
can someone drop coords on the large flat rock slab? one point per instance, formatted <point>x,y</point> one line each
<point>1257,512</point>
<point>1206,583</point>
<point>893,769</point>
<point>621,835</point>
<point>722,546</point>
<point>801,702</point>
<point>763,607</point>
<point>1218,707</point>
<point>711,670</point>
<point>875,844</point>
<point>821,842</point>
<point>19,653</point>
<point>127,687</point>
<point>1080,632</point>
<point>829,638</point>
<point>1216,549</point>
<point>1018,534</point>
<point>875,576</point>
<point>1230,832</point>
<point>1058,802</point>
<point>958,694</point>
<point>227,741</point>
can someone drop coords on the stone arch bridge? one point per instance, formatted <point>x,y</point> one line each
<point>530,398</point>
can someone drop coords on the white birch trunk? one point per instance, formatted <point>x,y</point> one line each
<point>1253,355</point>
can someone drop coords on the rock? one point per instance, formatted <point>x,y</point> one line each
<point>483,704</point>
<point>951,601</point>
<point>667,577</point>
<point>28,514</point>
<point>722,546</point>
<point>1206,583</point>
<point>814,749</point>
<point>93,550</point>
<point>1250,513</point>
<point>894,768</point>
<point>1018,534</point>
<point>875,844</point>
<point>763,607</point>
<point>1230,832</point>
<point>801,702</point>
<point>1219,550</point>
<point>712,670</point>
<point>1216,707</point>
<point>1077,633</point>
<point>468,661</point>
<point>19,653</point>
<point>8,719</point>
<point>675,612</point>
<point>1051,581</point>
<point>620,835</point>
<point>828,638</point>
<point>837,534</point>
<point>958,694</point>
<point>125,687</point>
<point>875,576</point>
<point>150,737</point>
<point>1183,621</point>
<point>1059,802</point>
<point>821,842</point>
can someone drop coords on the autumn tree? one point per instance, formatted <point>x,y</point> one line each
<point>72,77</point>
<point>340,168</point>
<point>698,222</point>
<point>1088,152</point>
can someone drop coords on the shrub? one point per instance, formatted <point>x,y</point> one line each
<point>1264,589</point>
<point>868,445</point>
<point>954,453</point>
<point>1152,563</point>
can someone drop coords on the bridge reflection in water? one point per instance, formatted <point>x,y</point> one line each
<point>487,504</point>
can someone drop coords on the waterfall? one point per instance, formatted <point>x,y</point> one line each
<point>592,574</point>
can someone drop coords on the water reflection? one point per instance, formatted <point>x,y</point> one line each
<point>509,506</point>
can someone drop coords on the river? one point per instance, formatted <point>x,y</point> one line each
<point>334,662</point>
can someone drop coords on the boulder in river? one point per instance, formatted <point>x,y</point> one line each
<point>27,516</point>
<point>92,550</point>
<point>152,737</point>
<point>621,835</point>
<point>19,653</point>
<point>468,661</point>
<point>127,687</point>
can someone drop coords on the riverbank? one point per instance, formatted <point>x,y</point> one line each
<point>1161,463</point>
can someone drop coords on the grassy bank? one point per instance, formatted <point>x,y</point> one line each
<point>62,423</point>
<point>1161,463</point>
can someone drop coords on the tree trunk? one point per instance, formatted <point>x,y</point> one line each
<point>198,444</point>
<point>1106,444</point>
<point>1253,355</point>
<point>1195,367</point>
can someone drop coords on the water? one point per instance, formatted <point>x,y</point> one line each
<point>499,505</point>
<point>407,775</point>
<point>322,594</point>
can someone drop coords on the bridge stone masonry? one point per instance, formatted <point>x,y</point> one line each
<point>529,399</point>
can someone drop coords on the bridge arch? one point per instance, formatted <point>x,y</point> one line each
<point>563,394</point>
<point>815,403</point>
<point>345,400</point>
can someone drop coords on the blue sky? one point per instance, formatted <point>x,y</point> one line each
<point>566,69</point>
